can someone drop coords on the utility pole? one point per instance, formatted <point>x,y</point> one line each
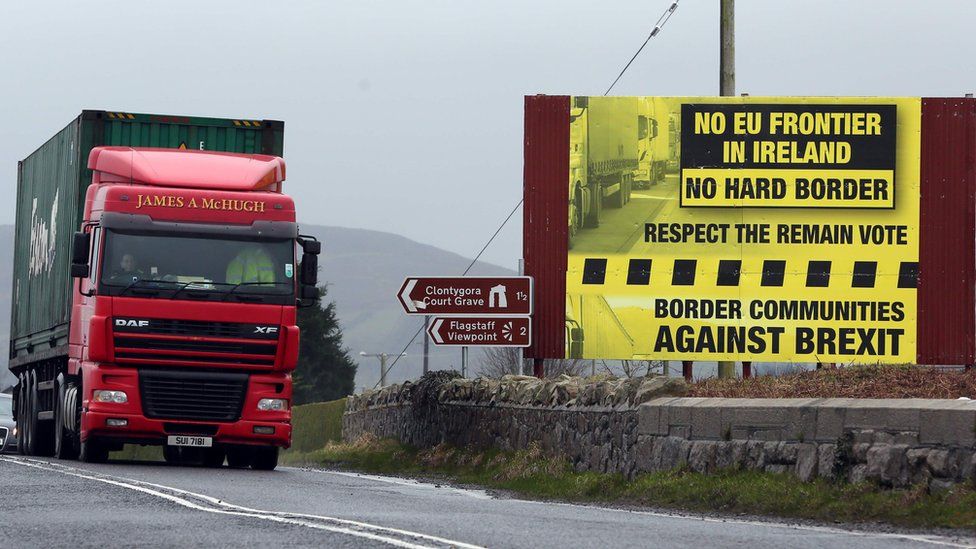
<point>426,343</point>
<point>726,75</point>
<point>383,357</point>
<point>726,87</point>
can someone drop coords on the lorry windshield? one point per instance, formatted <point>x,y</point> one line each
<point>197,268</point>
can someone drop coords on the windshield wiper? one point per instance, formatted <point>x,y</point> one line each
<point>253,297</point>
<point>135,281</point>
<point>185,286</point>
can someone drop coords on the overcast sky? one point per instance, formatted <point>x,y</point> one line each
<point>406,116</point>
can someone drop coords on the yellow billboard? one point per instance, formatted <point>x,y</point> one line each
<point>743,228</point>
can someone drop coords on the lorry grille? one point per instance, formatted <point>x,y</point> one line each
<point>188,394</point>
<point>166,341</point>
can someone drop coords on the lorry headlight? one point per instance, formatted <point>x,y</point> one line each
<point>118,397</point>
<point>272,404</point>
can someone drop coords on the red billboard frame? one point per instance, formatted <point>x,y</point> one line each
<point>946,326</point>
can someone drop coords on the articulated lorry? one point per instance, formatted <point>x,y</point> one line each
<point>156,280</point>
<point>603,157</point>
<point>653,142</point>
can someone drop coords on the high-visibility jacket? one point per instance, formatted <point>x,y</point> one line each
<point>251,265</point>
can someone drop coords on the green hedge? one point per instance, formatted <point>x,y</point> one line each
<point>314,425</point>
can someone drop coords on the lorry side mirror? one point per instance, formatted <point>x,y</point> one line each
<point>313,247</point>
<point>310,269</point>
<point>80,270</point>
<point>309,292</point>
<point>80,248</point>
<point>80,251</point>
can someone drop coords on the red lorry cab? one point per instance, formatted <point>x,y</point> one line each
<point>183,324</point>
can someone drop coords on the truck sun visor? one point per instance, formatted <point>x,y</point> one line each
<point>144,223</point>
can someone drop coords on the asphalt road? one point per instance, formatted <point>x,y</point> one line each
<point>621,229</point>
<point>53,503</point>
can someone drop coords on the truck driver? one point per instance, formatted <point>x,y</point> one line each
<point>251,265</point>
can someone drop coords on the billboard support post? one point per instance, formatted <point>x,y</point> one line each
<point>686,369</point>
<point>538,368</point>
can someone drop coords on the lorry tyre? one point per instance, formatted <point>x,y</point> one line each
<point>92,451</point>
<point>238,457</point>
<point>64,440</point>
<point>265,458</point>
<point>592,220</point>
<point>21,414</point>
<point>30,415</point>
<point>42,434</point>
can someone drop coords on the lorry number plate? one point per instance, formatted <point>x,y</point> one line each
<point>180,440</point>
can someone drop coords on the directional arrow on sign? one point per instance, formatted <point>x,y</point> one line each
<point>435,331</point>
<point>408,287</point>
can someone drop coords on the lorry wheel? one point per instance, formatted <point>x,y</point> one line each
<point>30,415</point>
<point>238,458</point>
<point>213,457</point>
<point>92,451</point>
<point>21,414</point>
<point>265,458</point>
<point>592,219</point>
<point>42,435</point>
<point>64,441</point>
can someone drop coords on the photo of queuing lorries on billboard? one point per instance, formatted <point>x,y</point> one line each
<point>618,145</point>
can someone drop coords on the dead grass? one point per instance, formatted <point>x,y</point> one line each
<point>848,382</point>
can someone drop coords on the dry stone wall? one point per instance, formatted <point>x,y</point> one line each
<point>641,425</point>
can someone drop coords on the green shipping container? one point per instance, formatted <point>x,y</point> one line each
<point>51,185</point>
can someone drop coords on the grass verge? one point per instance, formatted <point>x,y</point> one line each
<point>531,474</point>
<point>313,426</point>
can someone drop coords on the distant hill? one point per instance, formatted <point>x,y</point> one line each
<point>363,270</point>
<point>6,290</point>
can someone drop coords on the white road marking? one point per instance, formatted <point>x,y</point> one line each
<point>237,510</point>
<point>477,494</point>
<point>934,540</point>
